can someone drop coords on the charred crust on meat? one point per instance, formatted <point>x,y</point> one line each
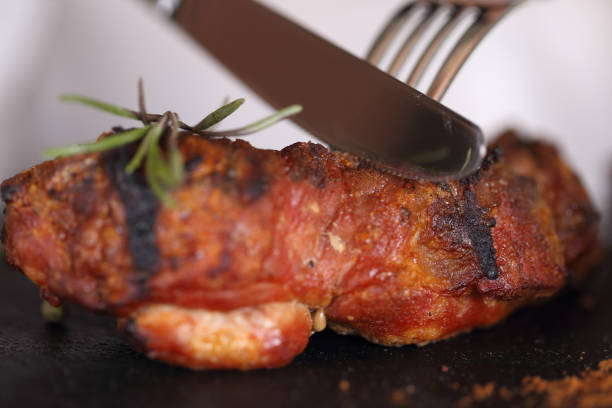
<point>193,162</point>
<point>491,222</point>
<point>8,192</point>
<point>3,234</point>
<point>493,156</point>
<point>307,162</point>
<point>447,223</point>
<point>311,264</point>
<point>254,186</point>
<point>319,169</point>
<point>444,187</point>
<point>479,231</point>
<point>141,208</point>
<point>589,216</point>
<point>244,174</point>
<point>316,149</point>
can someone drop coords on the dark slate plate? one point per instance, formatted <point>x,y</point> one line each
<point>84,362</point>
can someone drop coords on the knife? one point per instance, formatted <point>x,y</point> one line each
<point>347,103</point>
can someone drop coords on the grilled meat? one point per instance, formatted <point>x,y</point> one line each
<point>260,239</point>
<point>575,218</point>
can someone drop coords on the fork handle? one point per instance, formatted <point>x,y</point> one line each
<point>462,50</point>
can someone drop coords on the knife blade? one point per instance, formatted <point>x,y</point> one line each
<point>347,103</point>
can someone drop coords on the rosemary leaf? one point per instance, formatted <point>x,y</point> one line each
<point>176,167</point>
<point>218,115</point>
<point>106,107</point>
<point>162,170</point>
<point>153,134</point>
<point>155,172</point>
<point>175,158</point>
<point>109,142</point>
<point>260,124</point>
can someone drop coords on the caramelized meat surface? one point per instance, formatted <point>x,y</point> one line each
<point>575,218</point>
<point>260,239</point>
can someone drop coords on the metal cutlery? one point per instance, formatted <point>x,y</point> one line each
<point>348,103</point>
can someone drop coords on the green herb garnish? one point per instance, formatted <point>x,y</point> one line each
<point>164,169</point>
<point>109,142</point>
<point>217,116</point>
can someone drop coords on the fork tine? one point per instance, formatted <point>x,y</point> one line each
<point>388,33</point>
<point>408,45</point>
<point>455,15</point>
<point>464,47</point>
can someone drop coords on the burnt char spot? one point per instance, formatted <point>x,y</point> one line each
<point>141,209</point>
<point>307,162</point>
<point>316,149</point>
<point>254,185</point>
<point>480,234</point>
<point>255,189</point>
<point>493,156</point>
<point>447,223</point>
<point>244,175</point>
<point>444,187</point>
<point>8,192</point>
<point>3,236</point>
<point>318,152</point>
<point>192,163</point>
<point>591,217</point>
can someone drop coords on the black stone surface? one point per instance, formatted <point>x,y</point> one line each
<point>85,363</point>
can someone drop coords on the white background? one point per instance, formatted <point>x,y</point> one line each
<point>546,69</point>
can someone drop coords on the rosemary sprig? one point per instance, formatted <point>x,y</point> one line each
<point>262,123</point>
<point>149,117</point>
<point>109,142</point>
<point>154,133</point>
<point>218,115</point>
<point>103,106</point>
<point>163,171</point>
<point>158,174</point>
<point>175,158</point>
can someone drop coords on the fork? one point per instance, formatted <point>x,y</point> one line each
<point>485,14</point>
